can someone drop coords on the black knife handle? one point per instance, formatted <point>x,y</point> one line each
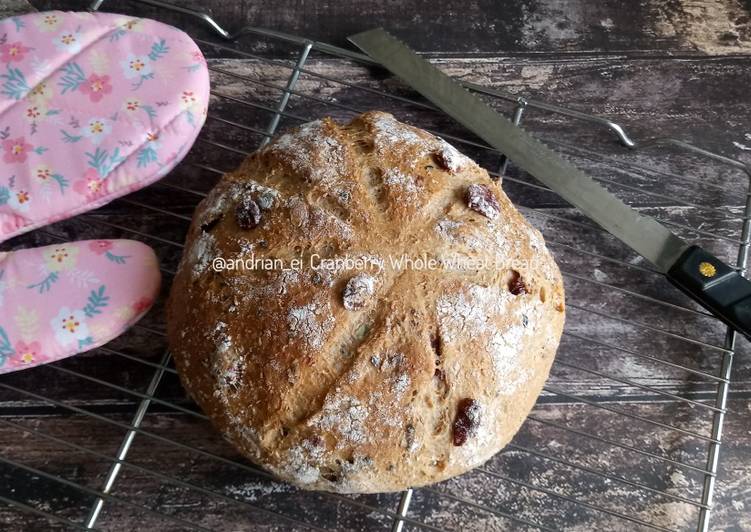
<point>716,286</point>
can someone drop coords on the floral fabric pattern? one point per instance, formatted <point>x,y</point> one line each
<point>92,106</point>
<point>57,301</point>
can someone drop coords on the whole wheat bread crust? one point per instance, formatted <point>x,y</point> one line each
<point>362,394</point>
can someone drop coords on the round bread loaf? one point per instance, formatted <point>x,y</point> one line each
<point>325,350</point>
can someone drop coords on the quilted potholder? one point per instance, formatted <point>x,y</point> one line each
<point>92,106</point>
<point>59,300</point>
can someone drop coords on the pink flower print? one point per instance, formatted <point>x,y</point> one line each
<point>20,200</point>
<point>61,258</point>
<point>188,99</point>
<point>197,56</point>
<point>132,105</point>
<point>132,24</point>
<point>40,93</point>
<point>28,353</point>
<point>43,173</point>
<point>152,140</point>
<point>68,42</point>
<point>91,185</point>
<point>14,51</point>
<point>34,111</point>
<point>16,150</point>
<point>100,247</point>
<point>142,305</point>
<point>49,22</point>
<point>96,87</point>
<point>97,129</point>
<point>69,326</point>
<point>135,66</point>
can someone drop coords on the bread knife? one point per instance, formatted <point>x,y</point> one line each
<point>713,284</point>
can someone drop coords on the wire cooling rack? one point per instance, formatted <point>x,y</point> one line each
<point>626,434</point>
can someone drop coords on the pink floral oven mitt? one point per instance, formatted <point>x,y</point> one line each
<point>56,301</point>
<point>92,106</point>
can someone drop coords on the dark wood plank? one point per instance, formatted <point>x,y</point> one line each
<point>527,480</point>
<point>56,459</point>
<point>498,487</point>
<point>9,8</point>
<point>491,26</point>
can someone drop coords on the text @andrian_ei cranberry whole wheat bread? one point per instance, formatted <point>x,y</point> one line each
<point>377,379</point>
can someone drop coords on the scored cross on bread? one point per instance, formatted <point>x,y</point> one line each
<point>419,350</point>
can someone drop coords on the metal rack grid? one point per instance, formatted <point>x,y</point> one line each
<point>674,430</point>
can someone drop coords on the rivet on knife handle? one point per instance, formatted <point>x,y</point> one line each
<point>716,286</point>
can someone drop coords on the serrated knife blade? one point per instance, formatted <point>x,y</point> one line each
<point>725,293</point>
<point>645,235</point>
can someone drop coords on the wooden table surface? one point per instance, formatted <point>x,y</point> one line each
<point>677,68</point>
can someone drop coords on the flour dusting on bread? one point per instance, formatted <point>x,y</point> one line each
<point>311,323</point>
<point>316,155</point>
